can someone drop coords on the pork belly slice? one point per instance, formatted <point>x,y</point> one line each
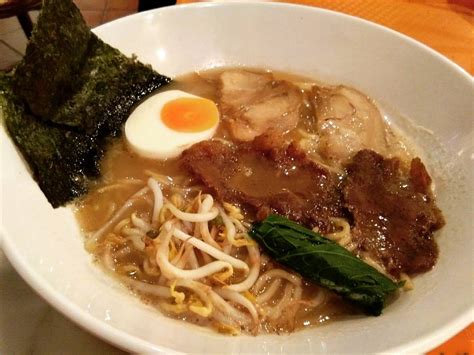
<point>394,215</point>
<point>267,176</point>
<point>347,122</point>
<point>253,103</point>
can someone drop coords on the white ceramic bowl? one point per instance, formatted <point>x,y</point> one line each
<point>404,76</point>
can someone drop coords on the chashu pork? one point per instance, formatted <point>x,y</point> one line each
<point>267,176</point>
<point>254,103</point>
<point>347,122</point>
<point>394,214</point>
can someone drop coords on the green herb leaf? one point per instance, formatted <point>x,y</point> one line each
<point>324,262</point>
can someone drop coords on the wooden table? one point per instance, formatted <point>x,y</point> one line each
<point>444,25</point>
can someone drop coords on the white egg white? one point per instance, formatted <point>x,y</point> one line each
<point>148,136</point>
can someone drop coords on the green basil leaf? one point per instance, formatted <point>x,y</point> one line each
<point>324,262</point>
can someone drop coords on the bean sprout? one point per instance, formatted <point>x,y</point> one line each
<point>158,194</point>
<point>115,218</point>
<point>192,217</point>
<point>239,299</point>
<point>170,271</point>
<point>183,247</point>
<point>254,256</point>
<point>238,264</point>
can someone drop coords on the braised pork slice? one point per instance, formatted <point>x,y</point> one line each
<point>266,176</point>
<point>394,215</point>
<point>348,121</point>
<point>253,103</point>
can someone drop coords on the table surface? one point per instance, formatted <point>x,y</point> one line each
<point>445,25</point>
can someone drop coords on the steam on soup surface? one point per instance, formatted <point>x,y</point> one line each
<point>175,228</point>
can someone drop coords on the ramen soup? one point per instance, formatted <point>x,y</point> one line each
<point>200,163</point>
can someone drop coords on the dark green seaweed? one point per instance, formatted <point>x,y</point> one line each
<point>60,160</point>
<point>67,97</point>
<point>324,262</point>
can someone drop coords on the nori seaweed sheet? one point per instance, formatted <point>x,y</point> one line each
<point>67,97</point>
<point>59,159</point>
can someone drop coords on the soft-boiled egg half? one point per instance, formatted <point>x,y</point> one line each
<point>169,122</point>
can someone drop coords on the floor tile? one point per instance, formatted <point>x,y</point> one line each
<point>34,15</point>
<point>8,57</point>
<point>16,39</point>
<point>9,24</point>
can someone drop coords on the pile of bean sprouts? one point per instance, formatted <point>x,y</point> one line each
<point>197,261</point>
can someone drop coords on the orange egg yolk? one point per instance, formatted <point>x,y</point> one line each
<point>189,114</point>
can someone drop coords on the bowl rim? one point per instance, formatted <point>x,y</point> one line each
<point>128,342</point>
<point>269,3</point>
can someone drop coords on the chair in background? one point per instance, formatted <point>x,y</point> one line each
<point>20,9</point>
